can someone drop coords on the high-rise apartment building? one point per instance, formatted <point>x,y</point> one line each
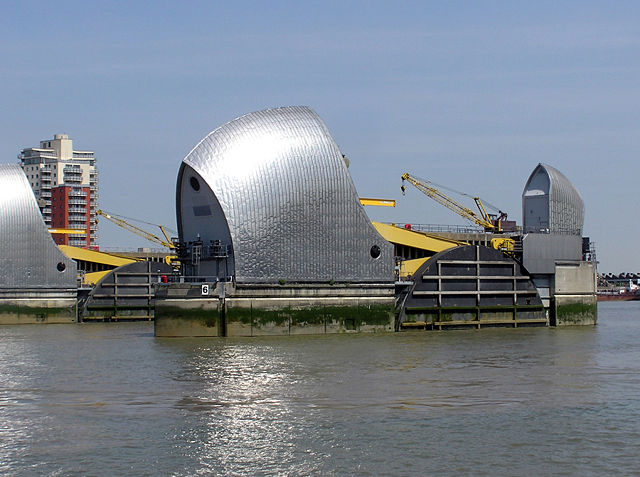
<point>65,183</point>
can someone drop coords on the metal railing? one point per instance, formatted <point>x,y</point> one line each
<point>176,278</point>
<point>537,230</point>
<point>437,228</point>
<point>441,228</point>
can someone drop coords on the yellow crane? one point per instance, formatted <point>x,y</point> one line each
<point>121,221</point>
<point>483,220</point>
<point>488,222</point>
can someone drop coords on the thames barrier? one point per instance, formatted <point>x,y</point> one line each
<point>273,239</point>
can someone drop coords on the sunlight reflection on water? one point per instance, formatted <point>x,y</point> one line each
<point>112,399</point>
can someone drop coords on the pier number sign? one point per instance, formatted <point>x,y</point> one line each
<point>205,289</point>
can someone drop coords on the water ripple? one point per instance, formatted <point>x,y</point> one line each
<point>110,399</point>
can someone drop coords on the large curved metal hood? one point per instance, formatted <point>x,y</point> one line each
<point>29,258</point>
<point>274,186</point>
<point>551,203</point>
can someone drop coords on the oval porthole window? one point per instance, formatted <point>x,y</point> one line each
<point>195,185</point>
<point>61,267</point>
<point>375,251</point>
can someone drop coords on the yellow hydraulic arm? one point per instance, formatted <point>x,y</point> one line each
<point>378,202</point>
<point>449,203</point>
<point>121,222</point>
<point>67,231</point>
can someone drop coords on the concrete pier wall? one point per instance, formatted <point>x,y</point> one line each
<point>37,306</point>
<point>574,297</point>
<point>220,309</point>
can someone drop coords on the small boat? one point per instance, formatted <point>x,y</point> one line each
<point>619,295</point>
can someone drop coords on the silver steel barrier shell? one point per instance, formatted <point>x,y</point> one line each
<point>551,204</point>
<point>273,187</point>
<point>29,258</point>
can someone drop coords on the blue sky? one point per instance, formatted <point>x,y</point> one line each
<point>472,95</point>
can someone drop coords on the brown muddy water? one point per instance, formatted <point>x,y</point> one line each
<point>110,399</point>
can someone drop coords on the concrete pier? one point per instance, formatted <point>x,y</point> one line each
<point>222,309</point>
<point>37,306</point>
<point>574,299</point>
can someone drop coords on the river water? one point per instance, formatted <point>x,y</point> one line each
<point>110,399</point>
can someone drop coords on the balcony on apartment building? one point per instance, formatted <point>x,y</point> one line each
<point>76,192</point>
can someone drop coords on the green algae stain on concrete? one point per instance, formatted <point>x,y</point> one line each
<point>16,314</point>
<point>239,315</point>
<point>35,310</point>
<point>347,317</point>
<point>265,316</point>
<point>207,317</point>
<point>302,318</point>
<point>576,314</point>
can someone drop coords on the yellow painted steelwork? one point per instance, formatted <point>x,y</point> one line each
<point>93,265</point>
<point>409,267</point>
<point>120,221</point>
<point>449,203</point>
<point>94,277</point>
<point>429,244</point>
<point>378,202</point>
<point>77,253</point>
<point>412,238</point>
<point>506,245</point>
<point>67,231</point>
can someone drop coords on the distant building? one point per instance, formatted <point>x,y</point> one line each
<point>65,183</point>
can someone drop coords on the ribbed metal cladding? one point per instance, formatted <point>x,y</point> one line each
<point>288,201</point>
<point>563,202</point>
<point>29,258</point>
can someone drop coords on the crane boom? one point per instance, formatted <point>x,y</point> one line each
<point>482,220</point>
<point>121,222</point>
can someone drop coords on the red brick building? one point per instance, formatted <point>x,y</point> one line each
<point>65,183</point>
